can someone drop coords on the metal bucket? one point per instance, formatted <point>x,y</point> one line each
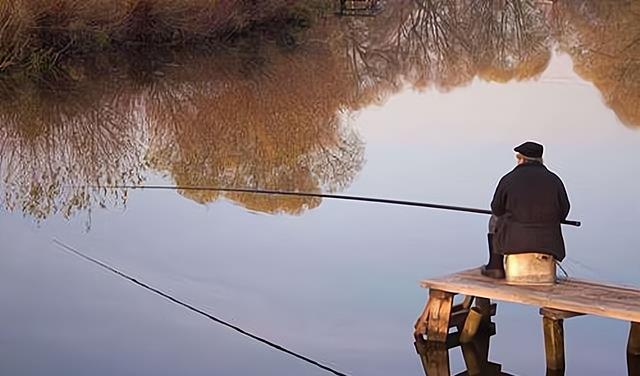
<point>530,269</point>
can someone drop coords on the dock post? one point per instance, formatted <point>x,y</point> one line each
<point>471,325</point>
<point>553,342</point>
<point>484,306</point>
<point>439,307</point>
<point>633,346</point>
<point>435,318</point>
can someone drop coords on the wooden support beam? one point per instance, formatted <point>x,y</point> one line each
<point>439,313</point>
<point>487,309</point>
<point>458,318</point>
<point>471,325</point>
<point>467,302</point>
<point>633,346</point>
<point>420,327</point>
<point>556,314</point>
<point>553,343</point>
<point>484,305</point>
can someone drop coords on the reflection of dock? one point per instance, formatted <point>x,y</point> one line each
<point>561,301</point>
<point>435,357</point>
<point>359,7</point>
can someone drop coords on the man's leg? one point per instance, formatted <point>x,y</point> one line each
<point>495,266</point>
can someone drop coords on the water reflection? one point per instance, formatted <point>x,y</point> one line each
<point>435,358</point>
<point>279,129</point>
<point>53,141</point>
<point>272,108</point>
<point>603,39</point>
<point>445,44</point>
<point>633,365</point>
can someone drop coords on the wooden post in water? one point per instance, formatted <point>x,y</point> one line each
<point>633,346</point>
<point>439,307</point>
<point>484,307</point>
<point>471,325</point>
<point>553,342</point>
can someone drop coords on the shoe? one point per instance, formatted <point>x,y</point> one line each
<point>492,273</point>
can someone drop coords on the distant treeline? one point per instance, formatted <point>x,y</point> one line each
<point>35,35</point>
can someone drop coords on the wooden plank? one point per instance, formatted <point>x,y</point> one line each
<point>572,295</point>
<point>553,343</point>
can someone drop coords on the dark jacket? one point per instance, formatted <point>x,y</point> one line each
<point>530,202</point>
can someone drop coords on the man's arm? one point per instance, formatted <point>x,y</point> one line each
<point>499,199</point>
<point>563,199</point>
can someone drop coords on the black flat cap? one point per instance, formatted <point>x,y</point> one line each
<point>530,149</point>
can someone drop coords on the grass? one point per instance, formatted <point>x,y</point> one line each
<point>37,35</point>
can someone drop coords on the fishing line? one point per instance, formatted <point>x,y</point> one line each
<point>566,275</point>
<point>190,307</point>
<point>315,195</point>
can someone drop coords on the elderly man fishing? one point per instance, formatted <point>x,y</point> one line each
<point>527,208</point>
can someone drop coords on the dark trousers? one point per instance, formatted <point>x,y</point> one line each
<point>495,259</point>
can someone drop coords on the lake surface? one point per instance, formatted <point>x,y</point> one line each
<point>423,102</point>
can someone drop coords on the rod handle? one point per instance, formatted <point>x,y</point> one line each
<point>572,223</point>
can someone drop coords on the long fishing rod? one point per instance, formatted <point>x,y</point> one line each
<point>318,195</point>
<point>190,307</point>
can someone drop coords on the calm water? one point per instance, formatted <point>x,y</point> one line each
<point>423,102</point>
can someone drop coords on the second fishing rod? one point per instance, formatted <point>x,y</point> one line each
<point>317,195</point>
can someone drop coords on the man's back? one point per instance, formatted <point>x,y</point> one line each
<point>531,201</point>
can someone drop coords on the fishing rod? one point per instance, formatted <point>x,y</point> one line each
<point>318,195</point>
<point>190,307</point>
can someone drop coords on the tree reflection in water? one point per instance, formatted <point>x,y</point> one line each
<point>272,110</point>
<point>280,129</point>
<point>54,143</point>
<point>603,39</point>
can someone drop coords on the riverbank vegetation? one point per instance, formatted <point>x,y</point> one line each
<point>38,35</point>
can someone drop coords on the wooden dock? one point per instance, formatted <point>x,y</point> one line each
<point>566,299</point>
